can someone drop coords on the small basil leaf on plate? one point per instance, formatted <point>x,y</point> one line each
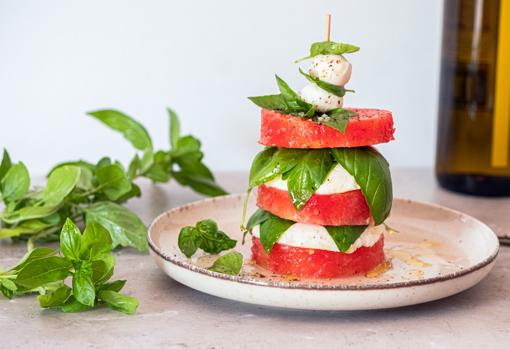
<point>125,228</point>
<point>345,236</point>
<point>60,183</point>
<point>271,230</point>
<point>113,181</point>
<point>119,302</point>
<point>308,175</point>
<point>83,286</point>
<point>15,183</point>
<point>70,240</point>
<point>333,89</point>
<point>213,240</point>
<point>230,263</point>
<point>43,271</point>
<point>188,241</point>
<point>56,298</point>
<point>372,173</point>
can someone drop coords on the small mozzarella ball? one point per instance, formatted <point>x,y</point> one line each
<point>331,68</point>
<point>322,101</point>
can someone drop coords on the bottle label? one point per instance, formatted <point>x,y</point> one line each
<point>501,124</point>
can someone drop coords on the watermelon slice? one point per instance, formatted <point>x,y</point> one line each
<point>369,127</point>
<point>313,263</point>
<point>349,208</point>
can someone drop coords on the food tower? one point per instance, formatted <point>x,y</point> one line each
<point>323,191</point>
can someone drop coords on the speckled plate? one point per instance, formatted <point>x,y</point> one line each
<point>436,252</point>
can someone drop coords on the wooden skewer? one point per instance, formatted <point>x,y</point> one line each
<point>328,27</point>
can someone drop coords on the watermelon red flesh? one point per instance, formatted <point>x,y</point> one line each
<point>369,127</point>
<point>312,263</point>
<point>349,208</point>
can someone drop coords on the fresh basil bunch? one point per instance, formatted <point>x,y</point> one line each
<point>272,228</point>
<point>306,169</point>
<point>94,192</point>
<point>86,258</point>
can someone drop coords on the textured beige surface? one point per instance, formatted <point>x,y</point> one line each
<point>173,316</point>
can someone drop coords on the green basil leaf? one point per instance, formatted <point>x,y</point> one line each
<point>83,286</point>
<point>134,167</point>
<point>272,162</point>
<point>28,227</point>
<point>82,164</point>
<point>70,240</point>
<point>7,287</point>
<point>230,263</point>
<point>329,48</point>
<point>187,146</point>
<point>113,180</point>
<point>56,298</point>
<point>213,240</point>
<point>5,165</point>
<point>104,161</point>
<point>43,271</point>
<point>292,100</point>
<point>73,306</point>
<point>200,184</point>
<point>116,285</point>
<point>96,242</point>
<point>333,89</point>
<point>308,175</point>
<point>102,270</point>
<point>175,128</point>
<point>131,129</point>
<point>259,217</point>
<point>27,213</point>
<point>271,230</point>
<point>15,183</point>
<point>337,118</point>
<point>270,102</point>
<point>119,302</point>
<point>125,228</point>
<point>60,183</point>
<point>160,169</point>
<point>33,255</point>
<point>188,241</point>
<point>345,236</point>
<point>371,171</point>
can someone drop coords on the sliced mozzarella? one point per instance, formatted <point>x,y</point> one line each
<point>331,68</point>
<point>322,101</point>
<point>317,237</point>
<point>338,181</point>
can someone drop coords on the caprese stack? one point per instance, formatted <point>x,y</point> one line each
<point>323,190</point>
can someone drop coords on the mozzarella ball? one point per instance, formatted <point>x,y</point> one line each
<point>331,68</point>
<point>322,101</point>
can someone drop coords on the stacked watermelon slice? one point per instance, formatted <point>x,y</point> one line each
<point>323,191</point>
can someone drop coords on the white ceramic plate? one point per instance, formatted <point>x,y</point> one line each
<point>436,253</point>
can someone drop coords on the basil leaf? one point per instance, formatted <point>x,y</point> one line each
<point>371,171</point>
<point>200,184</point>
<point>326,86</point>
<point>213,240</point>
<point>28,227</point>
<point>175,128</point>
<point>272,162</point>
<point>113,180</point>
<point>257,218</point>
<point>5,165</point>
<point>308,175</point>
<point>83,286</point>
<point>26,213</point>
<point>73,306</point>
<point>102,270</point>
<point>15,183</point>
<point>337,118</point>
<point>119,302</point>
<point>96,242</point>
<point>188,241</point>
<point>70,240</point>
<point>33,255</point>
<point>329,48</point>
<point>7,287</point>
<point>160,169</point>
<point>116,285</point>
<point>270,102</point>
<point>125,228</point>
<point>230,263</point>
<point>345,236</point>
<point>292,100</point>
<point>60,183</point>
<point>43,271</point>
<point>271,230</point>
<point>82,164</point>
<point>56,298</point>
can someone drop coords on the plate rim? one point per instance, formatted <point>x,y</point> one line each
<point>312,286</point>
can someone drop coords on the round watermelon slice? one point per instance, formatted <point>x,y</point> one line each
<point>369,127</point>
<point>349,208</point>
<point>312,263</point>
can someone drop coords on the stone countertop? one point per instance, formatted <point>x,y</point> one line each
<point>174,316</point>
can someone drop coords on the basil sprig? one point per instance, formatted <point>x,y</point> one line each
<point>372,173</point>
<point>86,258</point>
<point>272,228</point>
<point>94,192</point>
<point>206,236</point>
<point>329,48</point>
<point>305,170</point>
